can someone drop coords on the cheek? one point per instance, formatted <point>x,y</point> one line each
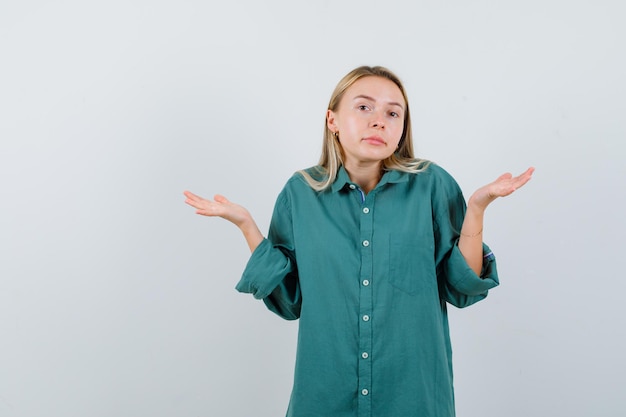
<point>351,125</point>
<point>398,130</point>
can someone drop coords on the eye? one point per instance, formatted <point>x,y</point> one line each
<point>394,114</point>
<point>363,107</point>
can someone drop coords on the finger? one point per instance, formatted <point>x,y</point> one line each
<point>194,200</point>
<point>528,173</point>
<point>191,197</point>
<point>506,176</point>
<point>195,204</point>
<point>521,181</point>
<point>207,212</point>
<point>209,209</point>
<point>221,199</point>
<point>189,194</point>
<point>524,178</point>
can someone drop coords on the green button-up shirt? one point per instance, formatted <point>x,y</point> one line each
<point>369,276</point>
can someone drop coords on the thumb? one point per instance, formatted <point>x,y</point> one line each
<point>506,176</point>
<point>221,199</point>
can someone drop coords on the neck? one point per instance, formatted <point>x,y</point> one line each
<point>365,175</point>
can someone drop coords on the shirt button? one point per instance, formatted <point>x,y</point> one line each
<point>366,243</point>
<point>352,186</point>
<point>366,210</point>
<point>366,318</point>
<point>365,355</point>
<point>364,392</point>
<point>366,282</point>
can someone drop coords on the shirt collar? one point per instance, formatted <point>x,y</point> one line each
<point>389,177</point>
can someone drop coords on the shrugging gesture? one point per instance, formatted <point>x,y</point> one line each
<point>380,276</point>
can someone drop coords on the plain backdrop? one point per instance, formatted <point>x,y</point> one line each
<point>117,300</point>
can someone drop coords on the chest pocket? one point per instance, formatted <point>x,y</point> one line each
<point>412,266</point>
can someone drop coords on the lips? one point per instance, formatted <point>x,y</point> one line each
<point>375,140</point>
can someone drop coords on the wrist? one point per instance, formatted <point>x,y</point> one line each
<point>478,205</point>
<point>475,209</point>
<point>246,225</point>
<point>473,221</point>
<point>252,234</point>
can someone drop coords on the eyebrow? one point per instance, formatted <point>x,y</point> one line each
<point>391,103</point>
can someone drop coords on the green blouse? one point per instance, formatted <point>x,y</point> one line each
<point>369,277</point>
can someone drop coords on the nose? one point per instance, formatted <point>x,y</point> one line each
<point>377,121</point>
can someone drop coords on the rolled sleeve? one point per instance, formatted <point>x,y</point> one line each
<point>463,286</point>
<point>271,275</point>
<point>265,270</point>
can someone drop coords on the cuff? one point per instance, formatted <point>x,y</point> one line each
<point>464,280</point>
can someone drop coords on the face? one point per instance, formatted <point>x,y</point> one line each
<point>369,120</point>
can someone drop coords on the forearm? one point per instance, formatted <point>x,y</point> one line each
<point>470,241</point>
<point>251,233</point>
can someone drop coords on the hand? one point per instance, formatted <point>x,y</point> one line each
<point>505,185</point>
<point>232,212</point>
<point>220,207</point>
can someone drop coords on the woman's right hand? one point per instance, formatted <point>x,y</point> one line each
<point>219,207</point>
<point>234,213</point>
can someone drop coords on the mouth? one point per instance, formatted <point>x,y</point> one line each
<point>374,140</point>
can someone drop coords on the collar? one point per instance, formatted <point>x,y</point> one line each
<point>389,177</point>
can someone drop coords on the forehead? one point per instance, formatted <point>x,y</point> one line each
<point>377,88</point>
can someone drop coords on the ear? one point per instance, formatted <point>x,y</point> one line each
<point>331,120</point>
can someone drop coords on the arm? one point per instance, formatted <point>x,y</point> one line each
<point>234,213</point>
<point>470,241</point>
<point>271,273</point>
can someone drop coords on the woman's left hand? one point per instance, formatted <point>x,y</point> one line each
<point>505,185</point>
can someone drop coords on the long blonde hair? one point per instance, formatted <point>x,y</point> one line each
<point>332,155</point>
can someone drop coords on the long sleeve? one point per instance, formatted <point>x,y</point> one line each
<point>459,285</point>
<point>271,273</point>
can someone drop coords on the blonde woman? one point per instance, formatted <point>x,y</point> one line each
<point>367,249</point>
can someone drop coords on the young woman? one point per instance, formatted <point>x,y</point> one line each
<point>367,249</point>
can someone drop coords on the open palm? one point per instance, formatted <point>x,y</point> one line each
<point>505,185</point>
<point>220,206</point>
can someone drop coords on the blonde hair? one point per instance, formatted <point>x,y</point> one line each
<point>332,155</point>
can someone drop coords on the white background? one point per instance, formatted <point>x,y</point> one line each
<point>117,300</point>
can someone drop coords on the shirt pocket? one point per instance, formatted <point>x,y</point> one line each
<point>412,266</point>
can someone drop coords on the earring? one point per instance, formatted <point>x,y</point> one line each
<point>336,133</point>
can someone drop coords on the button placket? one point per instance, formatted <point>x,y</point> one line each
<point>366,212</point>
